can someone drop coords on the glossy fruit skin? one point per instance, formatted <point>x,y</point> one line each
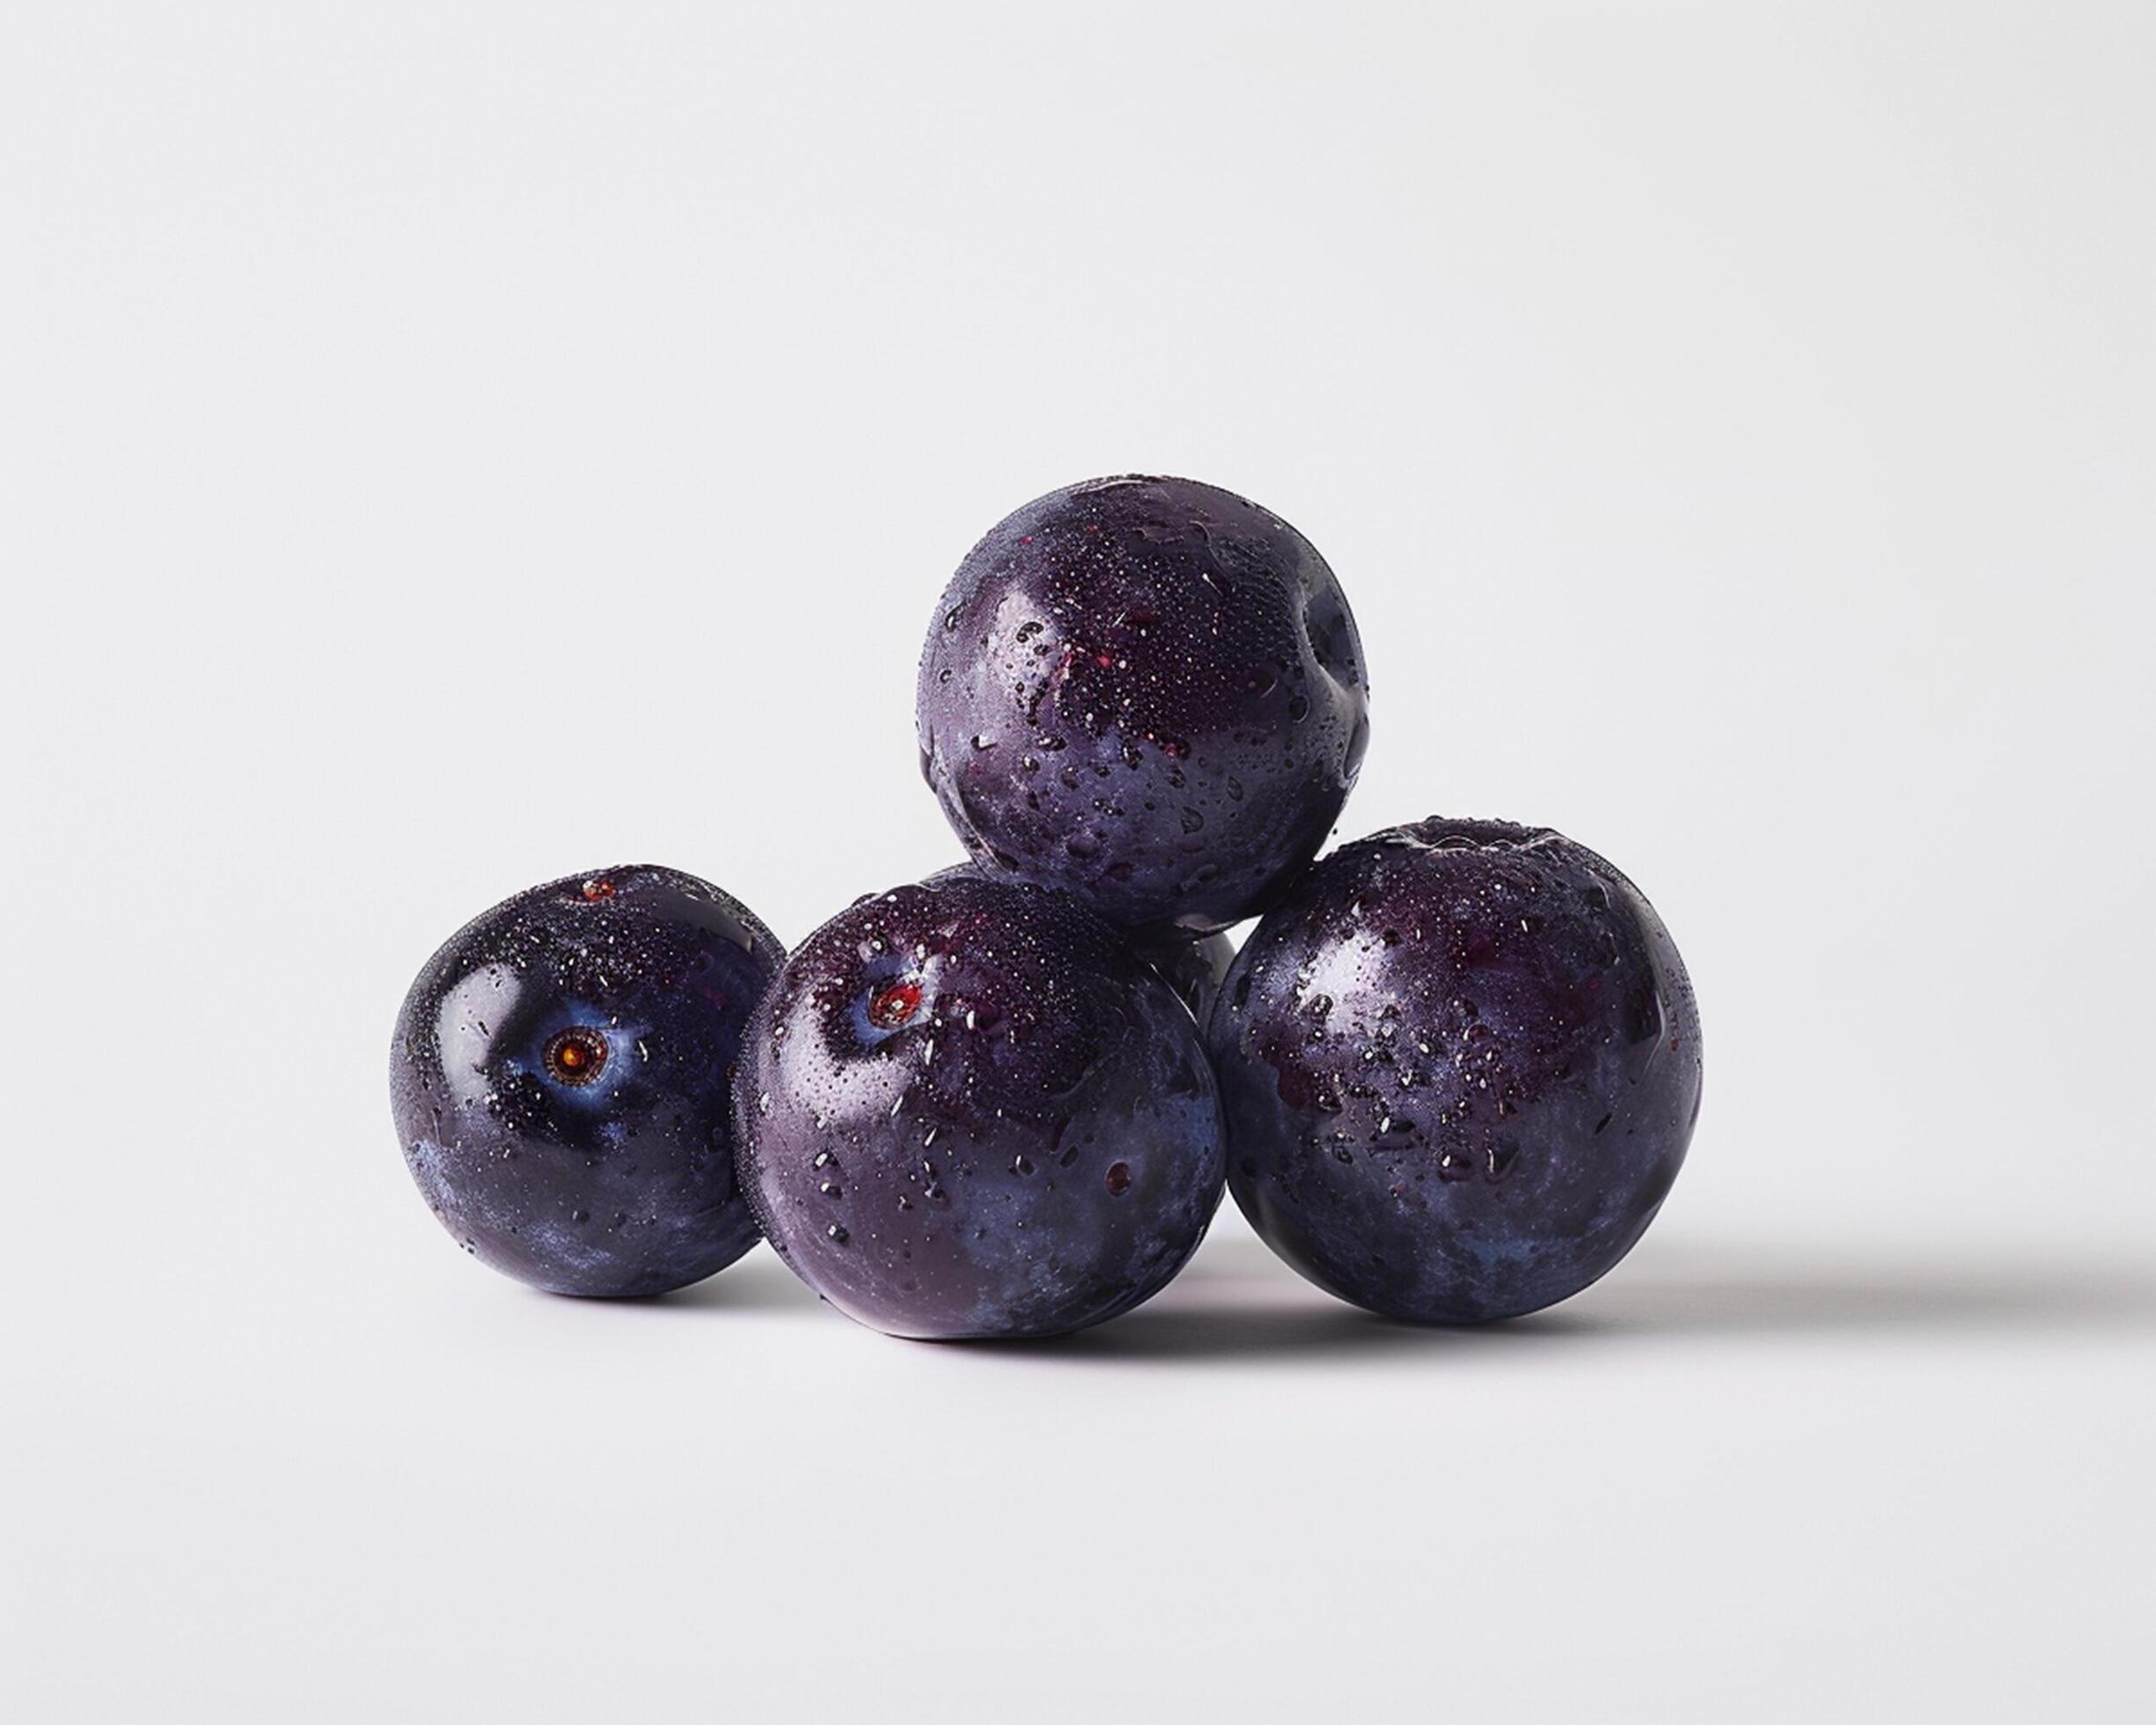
<point>967,1109</point>
<point>617,1179</point>
<point>1149,691</point>
<point>1193,968</point>
<point>1461,1067</point>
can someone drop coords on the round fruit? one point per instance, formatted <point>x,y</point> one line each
<point>1148,691</point>
<point>1460,1064</point>
<point>968,1109</point>
<point>561,1081</point>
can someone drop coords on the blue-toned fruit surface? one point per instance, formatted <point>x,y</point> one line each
<point>969,1109</point>
<point>560,1080</point>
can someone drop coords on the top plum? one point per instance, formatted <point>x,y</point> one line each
<point>1149,691</point>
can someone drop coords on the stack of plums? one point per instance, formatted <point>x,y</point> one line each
<point>1449,1076</point>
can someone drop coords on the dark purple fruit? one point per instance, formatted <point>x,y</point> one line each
<point>1460,1065</point>
<point>1149,691</point>
<point>561,1081</point>
<point>968,1109</point>
<point>1193,968</point>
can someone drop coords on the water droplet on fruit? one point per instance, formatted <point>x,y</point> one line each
<point>837,1234</point>
<point>1118,1178</point>
<point>1022,1164</point>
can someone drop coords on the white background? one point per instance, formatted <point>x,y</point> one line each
<point>449,447</point>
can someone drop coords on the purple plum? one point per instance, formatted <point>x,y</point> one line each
<point>1149,691</point>
<point>560,1080</point>
<point>1460,1065</point>
<point>968,1109</point>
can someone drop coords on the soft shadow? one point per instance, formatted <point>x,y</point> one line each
<point>1687,1288</point>
<point>1237,1301</point>
<point>758,1282</point>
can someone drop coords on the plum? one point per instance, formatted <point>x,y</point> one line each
<point>1149,691</point>
<point>560,1080</point>
<point>966,1108</point>
<point>1460,1065</point>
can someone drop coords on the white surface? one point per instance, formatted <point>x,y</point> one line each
<point>449,447</point>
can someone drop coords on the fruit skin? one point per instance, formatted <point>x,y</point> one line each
<point>620,1185</point>
<point>1193,968</point>
<point>1460,1066</point>
<point>1149,691</point>
<point>968,1109</point>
